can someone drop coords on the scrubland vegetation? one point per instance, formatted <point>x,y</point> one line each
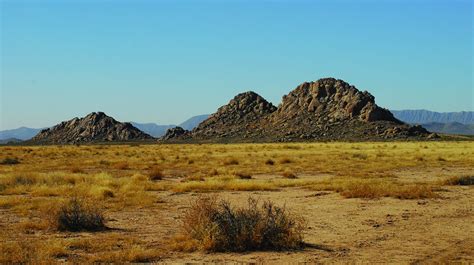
<point>69,203</point>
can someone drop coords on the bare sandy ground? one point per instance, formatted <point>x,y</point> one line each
<point>343,230</point>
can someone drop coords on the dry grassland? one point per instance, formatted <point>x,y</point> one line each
<point>383,202</point>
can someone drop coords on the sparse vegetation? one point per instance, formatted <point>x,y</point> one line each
<point>155,174</point>
<point>460,181</point>
<point>289,175</point>
<point>118,178</point>
<point>215,225</point>
<point>122,166</point>
<point>270,162</point>
<point>78,215</point>
<point>9,161</point>
<point>242,175</point>
<point>231,162</point>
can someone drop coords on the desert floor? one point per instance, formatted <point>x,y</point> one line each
<point>362,202</point>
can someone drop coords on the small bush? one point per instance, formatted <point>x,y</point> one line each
<point>155,174</point>
<point>270,162</point>
<point>107,193</point>
<point>241,175</point>
<point>461,181</point>
<point>285,161</point>
<point>122,166</point>
<point>196,177</point>
<point>360,156</point>
<point>77,170</point>
<point>10,161</point>
<point>289,175</point>
<point>77,215</point>
<point>217,226</point>
<point>231,162</point>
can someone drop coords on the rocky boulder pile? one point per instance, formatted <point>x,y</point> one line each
<point>235,119</point>
<point>95,127</point>
<point>176,133</point>
<point>327,109</point>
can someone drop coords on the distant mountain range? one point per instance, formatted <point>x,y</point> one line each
<point>426,116</point>
<point>156,130</point>
<point>450,128</point>
<point>440,122</point>
<point>153,129</point>
<point>22,133</point>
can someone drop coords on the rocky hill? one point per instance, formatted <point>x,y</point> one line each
<point>242,114</point>
<point>95,127</point>
<point>327,109</point>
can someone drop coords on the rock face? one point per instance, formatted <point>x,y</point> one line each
<point>95,127</point>
<point>332,100</point>
<point>331,109</point>
<point>176,133</point>
<point>327,109</point>
<point>235,119</point>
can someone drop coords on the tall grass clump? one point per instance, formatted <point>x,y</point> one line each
<point>78,215</point>
<point>460,181</point>
<point>9,161</point>
<point>155,174</point>
<point>215,225</point>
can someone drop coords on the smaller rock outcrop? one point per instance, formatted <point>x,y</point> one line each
<point>95,127</point>
<point>176,133</point>
<point>236,118</point>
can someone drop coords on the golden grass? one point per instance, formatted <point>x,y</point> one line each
<point>120,177</point>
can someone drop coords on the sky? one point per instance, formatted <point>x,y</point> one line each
<point>165,61</point>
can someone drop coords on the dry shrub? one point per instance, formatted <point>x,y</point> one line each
<point>193,178</point>
<point>10,161</point>
<point>77,170</point>
<point>231,162</point>
<point>122,166</point>
<point>460,181</point>
<point>155,174</point>
<point>360,156</point>
<point>242,175</point>
<point>285,161</point>
<point>213,172</point>
<point>214,225</point>
<point>289,175</point>
<point>270,162</point>
<point>78,215</point>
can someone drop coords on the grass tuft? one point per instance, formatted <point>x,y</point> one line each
<point>76,215</point>
<point>289,175</point>
<point>215,225</point>
<point>10,161</point>
<point>155,174</point>
<point>460,181</point>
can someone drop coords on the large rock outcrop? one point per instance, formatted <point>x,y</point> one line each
<point>95,127</point>
<point>327,109</point>
<point>331,109</point>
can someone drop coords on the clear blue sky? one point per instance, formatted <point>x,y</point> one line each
<point>164,61</point>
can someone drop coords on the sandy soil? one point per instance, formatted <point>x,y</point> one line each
<point>339,230</point>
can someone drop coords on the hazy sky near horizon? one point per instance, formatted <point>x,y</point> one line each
<point>165,61</point>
